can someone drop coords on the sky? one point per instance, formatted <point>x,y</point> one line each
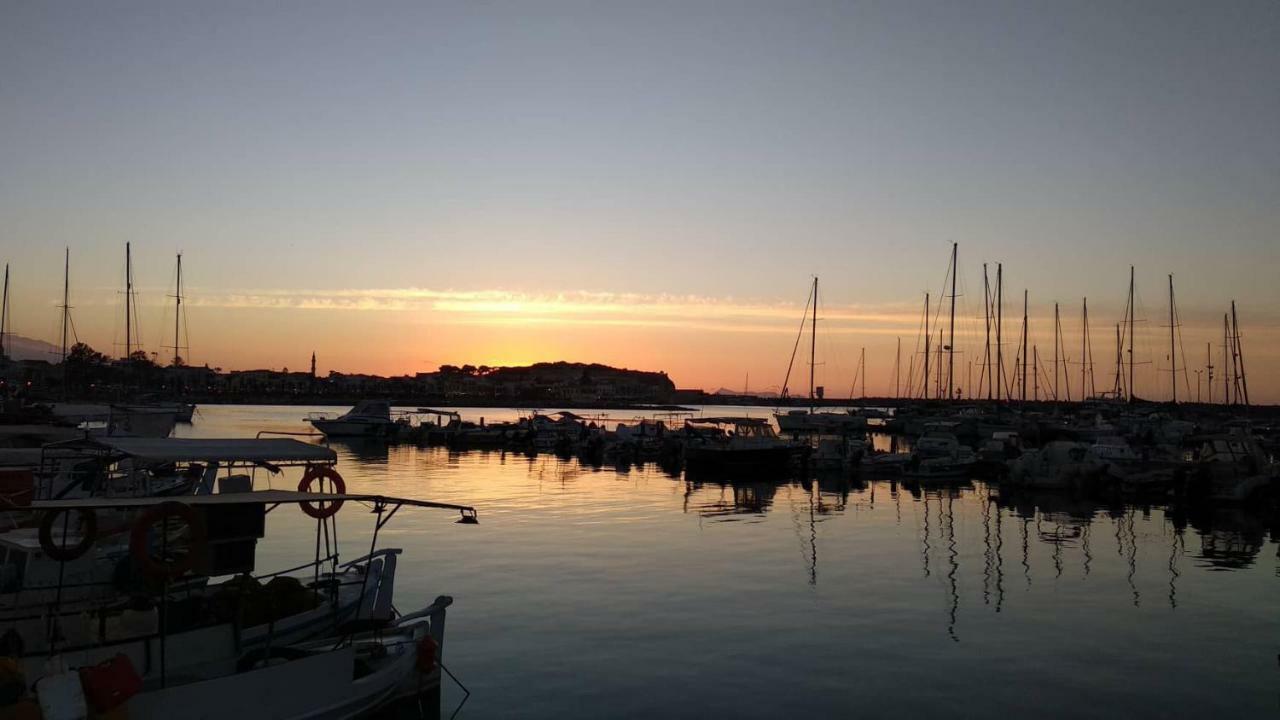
<point>651,185</point>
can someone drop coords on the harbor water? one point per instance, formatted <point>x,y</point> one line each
<point>630,592</point>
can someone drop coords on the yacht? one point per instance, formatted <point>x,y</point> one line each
<point>368,419</point>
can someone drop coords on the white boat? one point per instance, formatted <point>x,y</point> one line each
<point>937,444</point>
<point>956,466</point>
<point>356,678</point>
<point>368,419</point>
<point>119,420</point>
<point>1058,465</point>
<point>1234,468</point>
<point>798,422</point>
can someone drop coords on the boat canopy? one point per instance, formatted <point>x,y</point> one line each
<point>257,497</point>
<point>226,451</point>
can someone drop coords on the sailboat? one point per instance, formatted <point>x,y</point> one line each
<point>154,420</point>
<point>810,421</point>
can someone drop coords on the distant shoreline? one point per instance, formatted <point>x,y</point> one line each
<point>1269,411</point>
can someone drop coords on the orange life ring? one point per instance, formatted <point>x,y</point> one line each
<point>321,509</point>
<point>65,553</point>
<point>140,545</point>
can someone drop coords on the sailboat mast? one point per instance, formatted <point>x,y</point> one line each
<point>864,372</point>
<point>4,313</point>
<point>1235,325</point>
<point>1024,345</point>
<point>928,339</point>
<point>813,342</point>
<point>128,303</point>
<point>1173,358</point>
<point>897,369</point>
<point>986,321</point>
<point>1057,331</point>
<point>1085,355</point>
<point>937,388</point>
<point>999,327</point>
<point>1132,394</point>
<point>1035,368</point>
<point>66,306</point>
<point>1208,366</point>
<point>1119,361</point>
<point>951,333</point>
<point>177,313</point>
<point>1226,364</point>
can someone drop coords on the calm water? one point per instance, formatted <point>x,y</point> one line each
<point>595,592</point>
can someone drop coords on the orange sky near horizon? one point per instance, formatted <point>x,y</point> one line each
<point>701,342</point>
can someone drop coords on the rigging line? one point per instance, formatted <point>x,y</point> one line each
<point>1186,381</point>
<point>791,363</point>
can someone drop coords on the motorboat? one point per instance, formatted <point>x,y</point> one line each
<point>802,422</point>
<point>937,444</point>
<point>838,452</point>
<point>888,464</point>
<point>738,446</point>
<point>958,465</point>
<point>368,419</point>
<point>1233,468</point>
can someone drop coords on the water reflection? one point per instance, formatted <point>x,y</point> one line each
<point>639,564</point>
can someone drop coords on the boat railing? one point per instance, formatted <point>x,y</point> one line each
<point>286,433</point>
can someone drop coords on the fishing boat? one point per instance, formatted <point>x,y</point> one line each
<point>176,665</point>
<point>140,467</point>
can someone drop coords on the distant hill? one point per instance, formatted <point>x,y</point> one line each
<point>561,373</point>
<point>25,348</point>
<point>752,393</point>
